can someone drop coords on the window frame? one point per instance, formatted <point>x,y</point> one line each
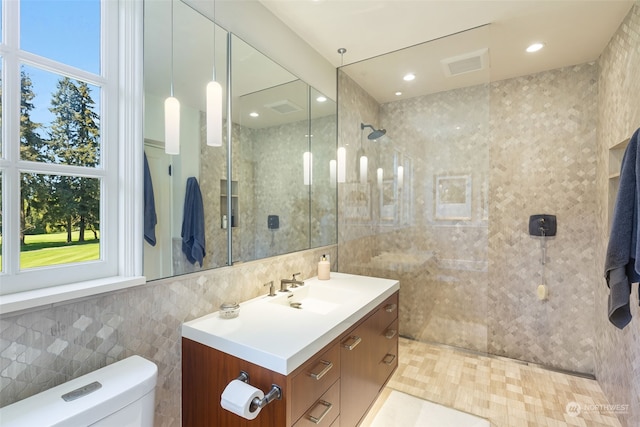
<point>120,264</point>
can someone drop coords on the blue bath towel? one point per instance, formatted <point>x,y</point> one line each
<point>622,263</point>
<point>193,244</point>
<point>150,217</point>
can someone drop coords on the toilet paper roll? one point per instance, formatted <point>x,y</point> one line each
<point>237,397</point>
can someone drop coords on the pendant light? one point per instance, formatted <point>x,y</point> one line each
<point>342,151</point>
<point>307,165</point>
<point>362,160</point>
<point>214,100</point>
<point>342,164</point>
<point>172,111</point>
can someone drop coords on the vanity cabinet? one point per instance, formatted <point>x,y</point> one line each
<point>333,388</point>
<point>369,357</point>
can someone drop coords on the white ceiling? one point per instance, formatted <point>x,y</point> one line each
<point>573,32</point>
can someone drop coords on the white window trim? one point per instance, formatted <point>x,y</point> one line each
<point>130,185</point>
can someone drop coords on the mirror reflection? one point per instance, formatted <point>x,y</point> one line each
<point>189,72</point>
<point>283,136</point>
<point>286,136</point>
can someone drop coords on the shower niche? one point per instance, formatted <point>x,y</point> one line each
<point>224,220</point>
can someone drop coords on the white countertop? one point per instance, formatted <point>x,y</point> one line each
<point>269,333</point>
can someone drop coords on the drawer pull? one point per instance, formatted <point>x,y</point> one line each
<point>319,375</point>
<point>354,343</point>
<point>390,308</point>
<point>389,358</point>
<point>390,334</point>
<point>327,408</point>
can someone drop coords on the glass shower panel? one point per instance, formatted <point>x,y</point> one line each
<point>421,215</point>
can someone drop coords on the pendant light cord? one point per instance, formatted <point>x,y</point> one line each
<point>172,47</point>
<point>214,40</point>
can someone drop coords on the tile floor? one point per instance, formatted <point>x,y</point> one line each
<point>507,393</point>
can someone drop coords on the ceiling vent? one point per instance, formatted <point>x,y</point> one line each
<point>284,107</point>
<point>466,63</point>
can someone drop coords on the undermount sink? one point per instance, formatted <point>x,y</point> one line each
<point>316,297</point>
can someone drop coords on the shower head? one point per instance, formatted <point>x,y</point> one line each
<point>377,133</point>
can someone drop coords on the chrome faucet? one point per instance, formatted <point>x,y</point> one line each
<point>293,282</point>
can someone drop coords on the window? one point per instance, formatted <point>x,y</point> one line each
<point>64,212</point>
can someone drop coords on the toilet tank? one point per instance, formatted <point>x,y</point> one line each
<point>119,395</point>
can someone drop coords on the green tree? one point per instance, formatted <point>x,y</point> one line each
<point>75,139</point>
<point>32,148</point>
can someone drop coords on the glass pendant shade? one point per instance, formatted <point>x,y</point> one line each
<point>364,162</point>
<point>332,173</point>
<point>307,164</point>
<point>172,125</point>
<point>214,114</point>
<point>342,164</point>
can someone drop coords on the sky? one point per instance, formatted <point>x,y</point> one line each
<point>67,31</point>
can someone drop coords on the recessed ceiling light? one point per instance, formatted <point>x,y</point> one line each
<point>409,77</point>
<point>321,98</point>
<point>398,93</point>
<point>254,114</point>
<point>535,47</point>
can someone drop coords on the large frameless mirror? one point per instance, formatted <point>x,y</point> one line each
<point>282,196</point>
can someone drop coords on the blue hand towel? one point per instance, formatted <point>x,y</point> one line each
<point>193,244</point>
<point>150,217</point>
<point>622,262</point>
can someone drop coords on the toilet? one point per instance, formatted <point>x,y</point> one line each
<point>119,395</point>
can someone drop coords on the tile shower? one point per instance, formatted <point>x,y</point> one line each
<point>513,148</point>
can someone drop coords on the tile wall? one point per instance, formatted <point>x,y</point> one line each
<point>543,161</point>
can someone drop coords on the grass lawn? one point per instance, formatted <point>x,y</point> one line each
<point>50,249</point>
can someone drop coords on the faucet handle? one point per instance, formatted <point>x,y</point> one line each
<point>294,276</point>
<point>272,288</point>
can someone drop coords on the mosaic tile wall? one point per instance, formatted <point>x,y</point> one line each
<point>40,349</point>
<point>617,352</point>
<point>543,160</point>
<point>523,146</point>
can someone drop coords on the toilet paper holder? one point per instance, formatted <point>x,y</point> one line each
<point>274,394</point>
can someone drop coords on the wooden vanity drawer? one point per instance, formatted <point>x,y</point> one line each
<point>324,411</point>
<point>386,313</point>
<point>316,377</point>
<point>387,353</point>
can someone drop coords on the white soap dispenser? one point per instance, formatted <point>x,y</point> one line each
<point>323,269</point>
